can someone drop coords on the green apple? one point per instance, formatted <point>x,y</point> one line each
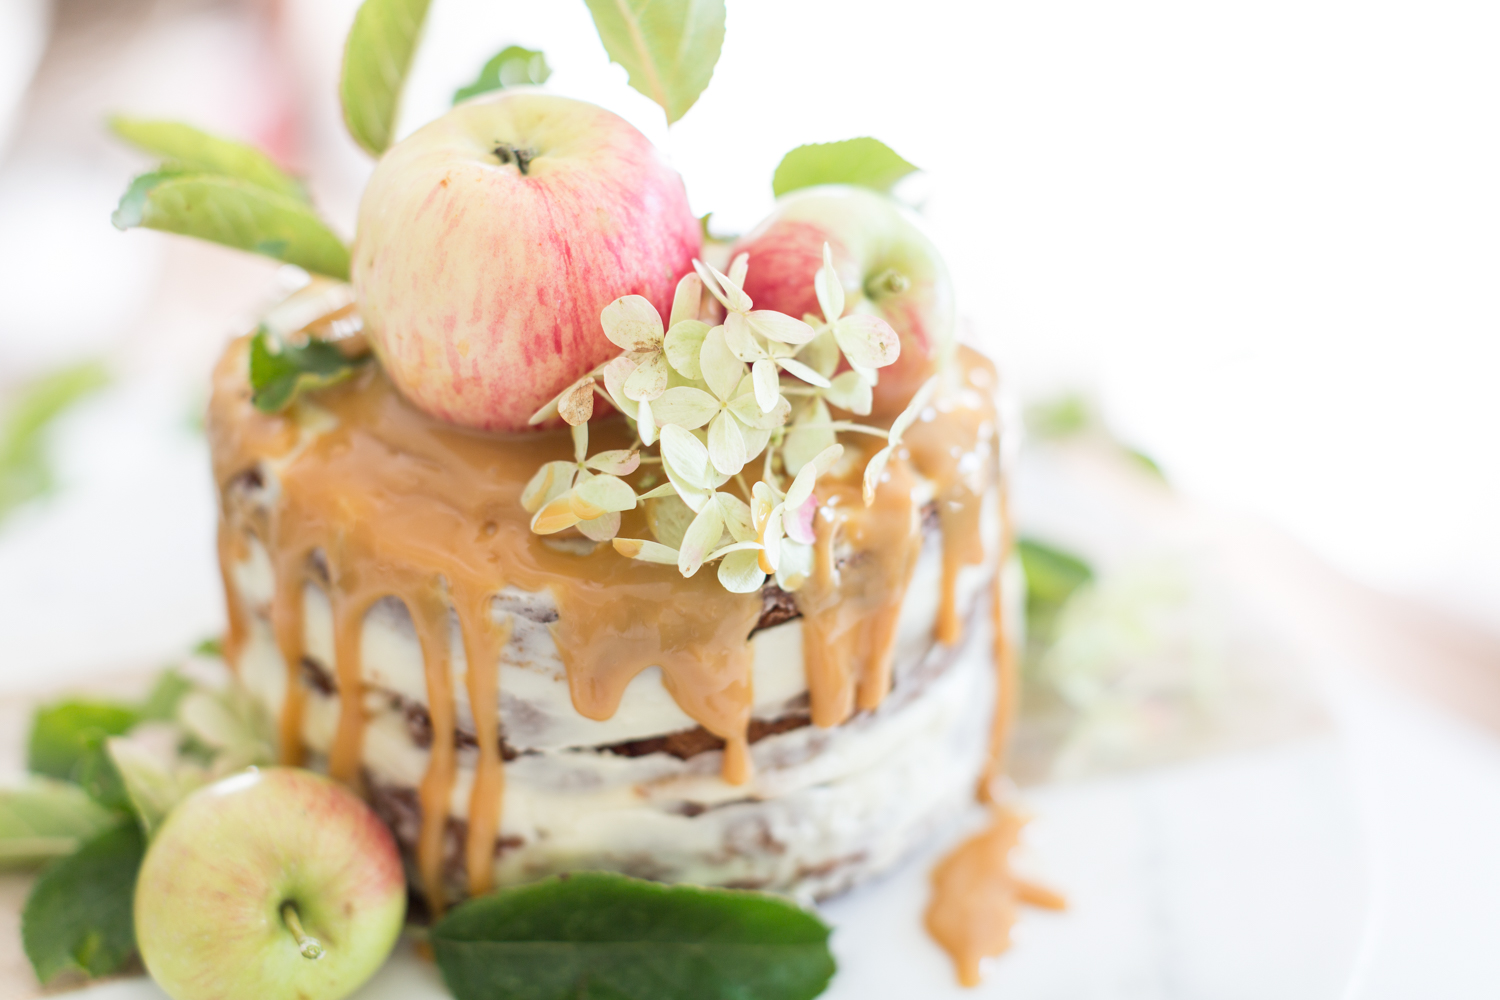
<point>270,883</point>
<point>887,265</point>
<point>490,240</point>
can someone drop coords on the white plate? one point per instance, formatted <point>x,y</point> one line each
<point>1233,877</point>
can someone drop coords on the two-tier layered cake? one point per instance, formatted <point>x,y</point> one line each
<point>526,704</point>
<point>734,628</point>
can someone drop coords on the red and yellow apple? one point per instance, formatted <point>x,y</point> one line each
<point>887,265</point>
<point>489,241</point>
<point>269,883</point>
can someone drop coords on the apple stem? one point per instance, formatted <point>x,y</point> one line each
<point>887,282</point>
<point>310,946</point>
<point>521,157</point>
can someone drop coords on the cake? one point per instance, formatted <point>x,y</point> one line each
<point>576,540</point>
<point>526,704</point>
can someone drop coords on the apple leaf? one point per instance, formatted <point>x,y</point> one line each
<point>98,776</point>
<point>46,820</point>
<point>24,470</point>
<point>864,162</point>
<point>236,213</point>
<point>377,56</point>
<point>1052,576</point>
<point>165,695</point>
<point>600,936</point>
<point>513,67</point>
<point>62,735</point>
<point>191,150</point>
<point>278,377</point>
<point>668,47</point>
<point>79,913</point>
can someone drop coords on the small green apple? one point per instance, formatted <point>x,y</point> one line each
<point>270,883</point>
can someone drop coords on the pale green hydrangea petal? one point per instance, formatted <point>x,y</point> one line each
<point>684,406</point>
<point>686,458</point>
<point>829,289</point>
<point>796,368</point>
<point>740,572</point>
<point>602,528</point>
<point>778,326</point>
<point>601,495</point>
<point>849,391</point>
<point>767,384</point>
<point>646,551</point>
<point>809,434</point>
<point>645,423</point>
<point>701,538</point>
<point>649,380</point>
<point>616,374</point>
<point>908,416</point>
<point>554,516</point>
<point>683,343</point>
<point>738,268</point>
<point>551,481</point>
<point>740,339</point>
<point>794,566</point>
<point>721,369</point>
<point>726,444</point>
<point>821,354</point>
<point>737,520</point>
<point>874,471</point>
<point>632,324</point>
<point>867,340</point>
<point>687,300</point>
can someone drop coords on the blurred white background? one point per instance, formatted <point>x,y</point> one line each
<point>1265,235</point>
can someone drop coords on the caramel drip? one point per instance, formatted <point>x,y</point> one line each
<point>958,512</point>
<point>483,641</point>
<point>850,605</point>
<point>374,499</point>
<point>349,739</point>
<point>429,613</point>
<point>288,627</point>
<point>974,891</point>
<point>1007,669</point>
<point>231,546</point>
<point>962,476</point>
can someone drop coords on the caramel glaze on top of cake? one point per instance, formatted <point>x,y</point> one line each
<point>378,500</point>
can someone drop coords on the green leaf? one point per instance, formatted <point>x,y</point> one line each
<point>79,912</point>
<point>668,47</point>
<point>154,778</point>
<point>161,702</point>
<point>235,213</point>
<point>98,776</point>
<point>513,67</point>
<point>212,646</point>
<point>63,734</point>
<point>190,150</point>
<point>598,936</point>
<point>865,162</point>
<point>24,470</point>
<point>278,377</point>
<point>377,56</point>
<point>46,820</point>
<point>1052,576</point>
<point>1059,418</point>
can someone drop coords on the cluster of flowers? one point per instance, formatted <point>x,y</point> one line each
<point>713,400</point>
